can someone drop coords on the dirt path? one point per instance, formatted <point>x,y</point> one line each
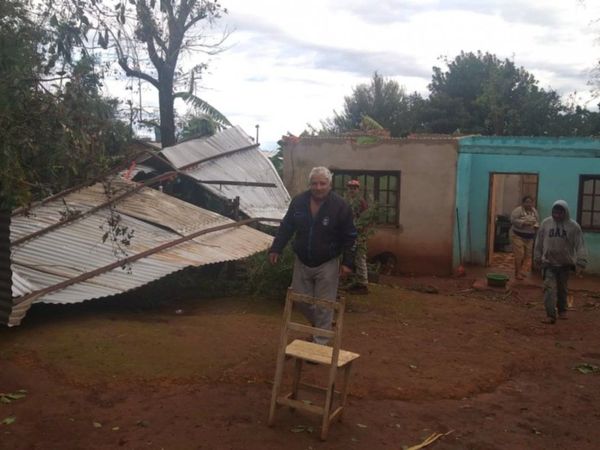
<point>104,376</point>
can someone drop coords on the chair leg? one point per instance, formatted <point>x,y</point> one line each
<point>287,313</point>
<point>297,374</point>
<point>328,402</point>
<point>344,392</point>
<point>276,385</point>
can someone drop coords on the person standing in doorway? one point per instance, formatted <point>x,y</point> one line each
<point>360,208</point>
<point>525,223</point>
<point>323,228</point>
<point>559,249</point>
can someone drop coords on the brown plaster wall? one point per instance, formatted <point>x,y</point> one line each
<point>422,240</point>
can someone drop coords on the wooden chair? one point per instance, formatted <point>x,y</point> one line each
<point>300,351</point>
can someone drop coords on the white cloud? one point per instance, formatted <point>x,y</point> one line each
<point>291,62</point>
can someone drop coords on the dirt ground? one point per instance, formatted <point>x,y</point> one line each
<point>436,356</point>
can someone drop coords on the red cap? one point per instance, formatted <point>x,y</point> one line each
<point>353,183</point>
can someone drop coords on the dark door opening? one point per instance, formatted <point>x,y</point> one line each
<point>505,194</point>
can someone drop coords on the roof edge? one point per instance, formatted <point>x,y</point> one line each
<point>528,144</point>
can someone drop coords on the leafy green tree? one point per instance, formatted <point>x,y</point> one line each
<point>476,93</point>
<point>277,157</point>
<point>479,93</point>
<point>382,100</point>
<point>577,120</point>
<point>57,129</point>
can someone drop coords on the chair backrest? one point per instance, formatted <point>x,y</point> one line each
<point>335,333</point>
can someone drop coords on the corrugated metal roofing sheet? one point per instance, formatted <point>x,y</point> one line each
<point>249,165</point>
<point>76,248</point>
<point>6,284</point>
<point>21,286</point>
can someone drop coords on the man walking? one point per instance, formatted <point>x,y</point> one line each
<point>322,224</point>
<point>362,222</point>
<point>559,248</point>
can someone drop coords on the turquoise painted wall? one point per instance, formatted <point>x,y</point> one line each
<point>558,162</point>
<point>462,224</point>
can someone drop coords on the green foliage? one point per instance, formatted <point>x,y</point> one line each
<point>364,221</point>
<point>253,276</point>
<point>367,140</point>
<point>205,120</point>
<point>264,279</point>
<point>197,127</point>
<point>58,129</point>
<point>578,121</point>
<point>368,123</point>
<point>384,101</point>
<point>277,160</point>
<point>476,93</point>
<point>479,93</point>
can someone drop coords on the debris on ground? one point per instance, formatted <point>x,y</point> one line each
<point>8,420</point>
<point>12,396</point>
<point>587,368</point>
<point>301,428</point>
<point>430,440</point>
<point>428,289</point>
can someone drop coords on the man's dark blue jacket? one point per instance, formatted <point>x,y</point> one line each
<point>318,240</point>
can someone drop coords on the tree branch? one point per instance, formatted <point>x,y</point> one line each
<point>137,73</point>
<point>169,8</point>
<point>150,33</point>
<point>184,13</point>
<point>153,54</point>
<point>194,20</point>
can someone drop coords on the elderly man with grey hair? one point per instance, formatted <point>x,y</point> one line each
<point>323,228</point>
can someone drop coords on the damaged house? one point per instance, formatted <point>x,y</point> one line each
<point>413,182</point>
<point>226,173</point>
<point>119,234</point>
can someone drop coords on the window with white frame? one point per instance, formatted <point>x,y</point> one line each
<point>588,212</point>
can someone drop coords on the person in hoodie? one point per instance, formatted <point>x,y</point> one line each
<point>322,225</point>
<point>559,249</point>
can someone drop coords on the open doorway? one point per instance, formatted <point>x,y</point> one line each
<point>505,194</point>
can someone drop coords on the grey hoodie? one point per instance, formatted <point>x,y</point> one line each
<point>560,243</point>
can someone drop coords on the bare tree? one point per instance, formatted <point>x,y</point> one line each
<point>149,38</point>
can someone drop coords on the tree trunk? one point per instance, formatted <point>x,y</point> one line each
<point>5,271</point>
<point>167,109</point>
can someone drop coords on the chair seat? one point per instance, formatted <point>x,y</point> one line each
<point>321,354</point>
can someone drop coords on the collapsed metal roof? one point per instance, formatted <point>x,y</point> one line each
<point>61,252</point>
<point>229,164</point>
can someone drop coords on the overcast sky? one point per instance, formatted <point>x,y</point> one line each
<point>289,63</point>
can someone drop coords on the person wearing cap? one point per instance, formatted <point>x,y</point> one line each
<point>322,225</point>
<point>559,249</point>
<point>359,209</point>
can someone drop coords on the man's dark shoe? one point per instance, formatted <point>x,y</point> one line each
<point>549,321</point>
